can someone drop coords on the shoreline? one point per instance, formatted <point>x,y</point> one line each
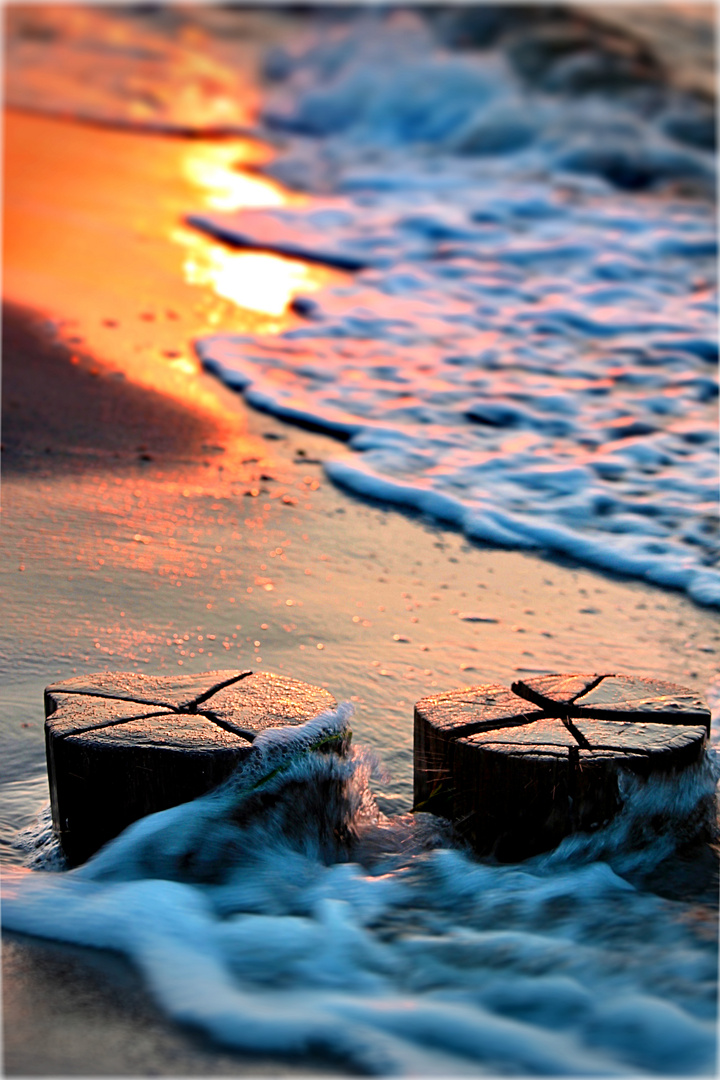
<point>240,552</point>
<point>222,502</point>
<point>93,1007</point>
<point>467,610</point>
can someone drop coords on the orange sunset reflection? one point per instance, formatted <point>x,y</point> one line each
<point>214,170</point>
<point>256,281</point>
<point>93,239</point>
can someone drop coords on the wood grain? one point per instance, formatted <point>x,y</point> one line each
<point>517,770</point>
<point>122,745</point>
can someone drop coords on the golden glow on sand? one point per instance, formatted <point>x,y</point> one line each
<point>253,280</point>
<point>93,237</point>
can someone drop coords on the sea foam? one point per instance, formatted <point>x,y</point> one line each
<point>523,350</point>
<point>284,914</point>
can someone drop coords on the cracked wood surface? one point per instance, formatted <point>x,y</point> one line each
<point>175,692</point>
<point>517,770</point>
<point>616,697</point>
<point>121,745</point>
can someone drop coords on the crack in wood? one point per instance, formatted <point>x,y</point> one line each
<point>629,750</point>
<point>192,706</point>
<point>612,716</point>
<point>529,748</point>
<point>227,725</point>
<point>109,723</point>
<point>589,687</point>
<point>545,700</point>
<point>641,711</point>
<point>577,735</point>
<point>111,697</point>
<point>476,727</point>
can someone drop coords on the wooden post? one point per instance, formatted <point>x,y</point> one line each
<point>517,770</point>
<point>123,745</point>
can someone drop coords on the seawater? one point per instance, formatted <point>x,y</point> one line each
<point>283,913</point>
<point>527,346</point>
<point>526,350</point>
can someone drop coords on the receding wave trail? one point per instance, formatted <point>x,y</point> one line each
<point>283,914</point>
<point>528,346</point>
<point>527,351</point>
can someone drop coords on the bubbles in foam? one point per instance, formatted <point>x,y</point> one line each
<point>39,844</point>
<point>491,360</point>
<point>385,947</point>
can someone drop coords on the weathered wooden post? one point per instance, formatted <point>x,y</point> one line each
<point>517,770</point>
<point>123,745</point>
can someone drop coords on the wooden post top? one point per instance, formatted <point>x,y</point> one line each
<point>616,697</point>
<point>518,769</point>
<point>121,745</point>
<point>587,711</point>
<point>241,703</point>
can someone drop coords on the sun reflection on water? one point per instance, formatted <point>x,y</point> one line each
<point>213,169</point>
<point>255,281</point>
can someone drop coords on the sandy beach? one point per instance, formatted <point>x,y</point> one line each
<point>153,522</point>
<point>131,540</point>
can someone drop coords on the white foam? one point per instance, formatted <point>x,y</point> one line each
<point>529,355</point>
<point>529,358</point>
<point>415,961</point>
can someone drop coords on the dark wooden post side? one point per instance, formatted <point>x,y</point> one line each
<point>123,745</point>
<point>517,770</point>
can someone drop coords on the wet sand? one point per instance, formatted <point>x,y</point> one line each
<point>97,1018</point>
<point>62,412</point>
<point>168,528</point>
<point>681,35</point>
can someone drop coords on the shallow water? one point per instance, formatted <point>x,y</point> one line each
<point>554,297</point>
<point>283,913</point>
<point>528,348</point>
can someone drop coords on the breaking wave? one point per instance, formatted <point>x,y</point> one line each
<point>284,914</point>
<point>527,347</point>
